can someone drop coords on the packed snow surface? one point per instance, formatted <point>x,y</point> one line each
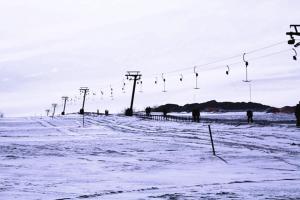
<point>115,157</point>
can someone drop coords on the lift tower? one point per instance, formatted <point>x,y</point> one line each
<point>292,34</point>
<point>65,99</point>
<point>135,76</point>
<point>84,91</point>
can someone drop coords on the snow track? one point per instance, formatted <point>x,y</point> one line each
<point>129,158</point>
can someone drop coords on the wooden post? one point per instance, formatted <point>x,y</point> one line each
<point>211,140</point>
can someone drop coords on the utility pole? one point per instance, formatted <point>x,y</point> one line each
<point>65,99</point>
<point>135,76</point>
<point>54,107</point>
<point>84,91</point>
<point>47,112</point>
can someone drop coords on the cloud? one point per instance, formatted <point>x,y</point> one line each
<point>60,45</point>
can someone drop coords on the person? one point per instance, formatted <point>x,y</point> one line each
<point>196,115</point>
<point>250,116</point>
<point>148,111</point>
<point>297,114</point>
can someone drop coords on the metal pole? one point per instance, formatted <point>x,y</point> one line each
<point>65,102</point>
<point>54,107</point>
<point>246,73</point>
<point>135,76</point>
<point>85,91</point>
<point>65,105</point>
<point>211,140</point>
<point>133,92</point>
<point>53,112</point>
<point>83,99</point>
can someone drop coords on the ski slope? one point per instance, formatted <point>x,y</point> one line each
<point>118,157</point>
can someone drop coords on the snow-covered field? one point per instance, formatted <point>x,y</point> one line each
<point>116,157</point>
<point>241,116</point>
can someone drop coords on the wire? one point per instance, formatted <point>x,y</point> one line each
<point>254,58</point>
<point>266,47</point>
<point>204,67</point>
<point>224,59</point>
<point>271,54</point>
<point>240,62</point>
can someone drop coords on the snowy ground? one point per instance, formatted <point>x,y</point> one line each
<point>259,117</point>
<point>128,158</point>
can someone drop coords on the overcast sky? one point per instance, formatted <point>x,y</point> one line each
<point>50,48</point>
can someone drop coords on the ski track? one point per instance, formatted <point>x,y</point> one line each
<point>117,157</point>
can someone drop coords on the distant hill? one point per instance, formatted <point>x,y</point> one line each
<point>214,106</point>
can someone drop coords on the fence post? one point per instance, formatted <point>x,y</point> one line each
<point>211,140</point>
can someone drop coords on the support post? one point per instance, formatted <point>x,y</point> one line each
<point>47,112</point>
<point>54,107</point>
<point>85,91</point>
<point>65,99</point>
<point>132,96</point>
<point>292,34</point>
<point>135,76</point>
<point>211,140</point>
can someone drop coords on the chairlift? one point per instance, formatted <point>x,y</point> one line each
<point>292,34</point>
<point>295,56</point>
<point>228,69</point>
<point>123,87</point>
<point>181,78</point>
<point>141,86</point>
<point>196,75</point>
<point>155,82</point>
<point>111,93</point>
<point>102,93</point>
<point>246,64</point>
<point>164,80</point>
<point>292,40</point>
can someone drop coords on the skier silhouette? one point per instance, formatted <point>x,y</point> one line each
<point>250,116</point>
<point>196,115</point>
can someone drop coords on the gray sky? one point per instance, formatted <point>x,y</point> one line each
<point>51,48</point>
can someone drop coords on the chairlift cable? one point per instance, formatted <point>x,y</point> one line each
<point>201,67</point>
<point>224,59</point>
